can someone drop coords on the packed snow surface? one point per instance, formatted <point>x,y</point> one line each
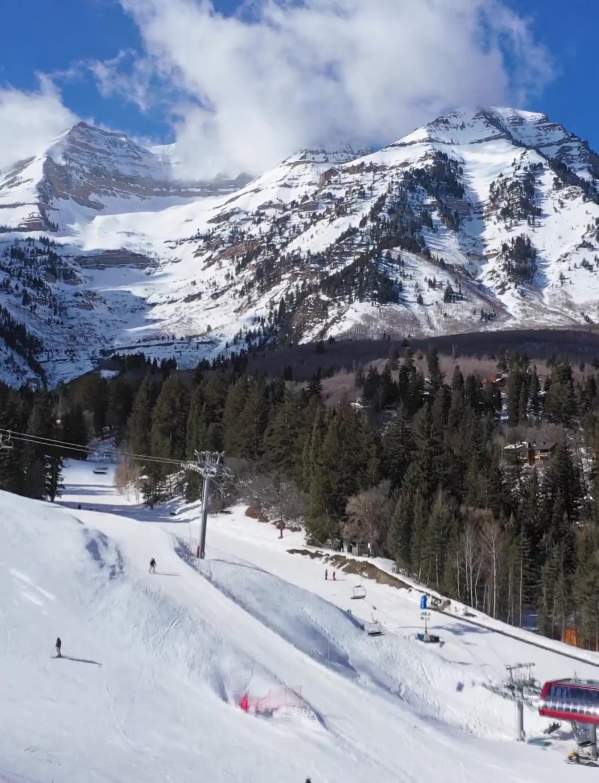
<point>154,667</point>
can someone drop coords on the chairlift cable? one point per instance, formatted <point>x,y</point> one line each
<point>40,440</point>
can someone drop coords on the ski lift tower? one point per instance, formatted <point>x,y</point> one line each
<point>520,682</point>
<point>209,464</point>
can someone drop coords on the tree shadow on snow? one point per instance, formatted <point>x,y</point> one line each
<point>139,513</point>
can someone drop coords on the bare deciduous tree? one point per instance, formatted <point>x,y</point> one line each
<point>368,515</point>
<point>492,540</point>
<point>278,498</point>
<point>126,476</point>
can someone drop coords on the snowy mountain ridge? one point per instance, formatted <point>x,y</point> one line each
<point>484,219</point>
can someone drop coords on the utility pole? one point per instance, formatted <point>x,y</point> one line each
<point>209,465</point>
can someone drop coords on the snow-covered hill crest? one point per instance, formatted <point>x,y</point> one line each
<point>479,220</point>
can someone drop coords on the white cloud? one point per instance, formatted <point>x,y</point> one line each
<point>287,74</point>
<point>30,120</point>
<point>126,76</point>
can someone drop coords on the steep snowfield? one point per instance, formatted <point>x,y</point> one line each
<point>155,666</point>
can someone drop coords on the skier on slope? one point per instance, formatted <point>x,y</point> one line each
<point>153,566</point>
<point>58,647</point>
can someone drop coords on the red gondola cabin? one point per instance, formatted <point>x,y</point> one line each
<point>576,701</point>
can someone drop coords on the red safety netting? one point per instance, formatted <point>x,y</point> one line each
<point>276,699</point>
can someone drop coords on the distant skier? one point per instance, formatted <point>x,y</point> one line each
<point>58,648</point>
<point>334,577</point>
<point>152,566</point>
<point>326,575</point>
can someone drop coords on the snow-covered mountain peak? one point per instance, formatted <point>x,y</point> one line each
<point>481,219</point>
<point>85,171</point>
<point>460,126</point>
<point>535,130</point>
<point>88,147</point>
<point>516,127</point>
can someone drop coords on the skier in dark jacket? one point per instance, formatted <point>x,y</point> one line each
<point>58,648</point>
<point>153,566</point>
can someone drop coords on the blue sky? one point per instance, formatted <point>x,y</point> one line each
<point>53,36</point>
<point>59,33</point>
<point>569,30</point>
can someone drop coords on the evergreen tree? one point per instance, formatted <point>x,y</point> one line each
<point>457,406</point>
<point>315,419</point>
<point>434,370</point>
<point>534,393</point>
<point>314,388</point>
<point>117,411</point>
<point>398,449</point>
<point>418,534</point>
<point>53,480</point>
<point>169,420</point>
<point>402,522</point>
<point>429,451</point>
<point>341,470</point>
<point>560,399</point>
<point>233,437</point>
<point>197,423</point>
<point>562,478</point>
<point>13,416</point>
<point>514,394</point>
<point>140,421</point>
<point>252,422</point>
<point>40,461</point>
<point>282,438</point>
<point>434,548</point>
<point>587,589</point>
<point>74,430</point>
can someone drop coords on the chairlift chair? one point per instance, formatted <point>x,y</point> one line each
<point>358,592</point>
<point>6,442</point>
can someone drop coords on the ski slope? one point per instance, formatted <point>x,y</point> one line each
<point>155,666</point>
